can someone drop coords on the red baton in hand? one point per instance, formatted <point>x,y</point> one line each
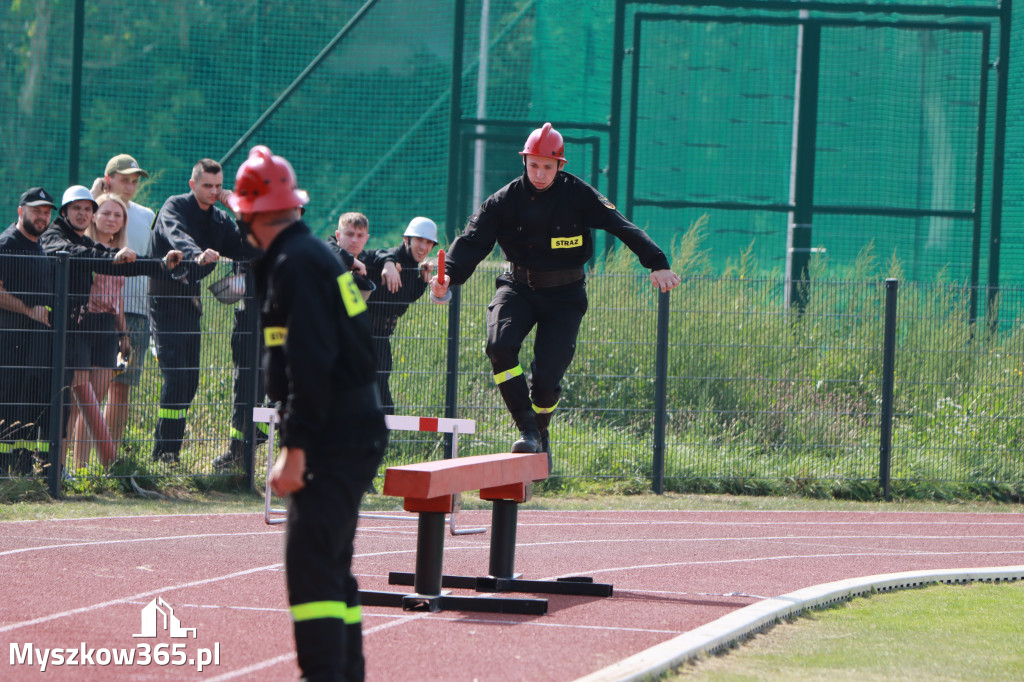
<point>440,280</point>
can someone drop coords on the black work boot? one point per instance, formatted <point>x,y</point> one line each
<point>19,460</point>
<point>529,435</point>
<point>234,455</point>
<point>160,455</point>
<point>543,420</point>
<point>529,441</point>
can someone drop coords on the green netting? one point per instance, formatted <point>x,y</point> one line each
<point>706,111</point>
<point>898,118</point>
<point>716,121</point>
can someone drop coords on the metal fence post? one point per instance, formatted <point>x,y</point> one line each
<point>451,385</point>
<point>75,132</point>
<point>888,381</point>
<point>59,322</point>
<point>660,393</point>
<point>251,364</point>
<point>798,253</point>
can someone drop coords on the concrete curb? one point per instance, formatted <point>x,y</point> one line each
<point>749,620</point>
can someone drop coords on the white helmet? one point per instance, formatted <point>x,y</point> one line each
<point>422,227</point>
<point>77,193</point>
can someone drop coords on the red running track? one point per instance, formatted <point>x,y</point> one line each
<point>83,583</point>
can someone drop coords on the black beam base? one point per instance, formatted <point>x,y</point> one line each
<point>580,586</point>
<point>446,602</point>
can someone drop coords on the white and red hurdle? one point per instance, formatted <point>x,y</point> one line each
<point>268,415</point>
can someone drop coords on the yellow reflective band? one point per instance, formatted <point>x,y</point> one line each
<point>6,447</point>
<point>327,609</point>
<point>236,434</point>
<point>42,446</point>
<point>544,410</point>
<point>274,336</point>
<point>165,413</point>
<point>263,427</point>
<point>350,296</point>
<point>502,377</point>
<point>566,242</point>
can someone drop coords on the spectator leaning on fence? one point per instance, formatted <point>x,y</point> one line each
<point>542,221</point>
<point>319,365</point>
<point>26,299</point>
<point>348,242</point>
<point>86,330</point>
<point>192,224</point>
<point>122,177</point>
<point>106,305</point>
<point>248,386</point>
<point>401,275</point>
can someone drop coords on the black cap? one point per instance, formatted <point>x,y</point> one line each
<point>37,196</point>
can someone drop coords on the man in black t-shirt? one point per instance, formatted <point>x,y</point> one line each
<point>26,299</point>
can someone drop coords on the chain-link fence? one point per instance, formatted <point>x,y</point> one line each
<point>745,389</point>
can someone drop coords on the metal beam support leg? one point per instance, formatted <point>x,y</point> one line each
<point>429,553</point>
<point>504,517</point>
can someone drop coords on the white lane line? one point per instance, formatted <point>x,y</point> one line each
<point>135,597</point>
<point>631,540</point>
<point>790,557</point>
<point>283,658</point>
<point>167,538</point>
<point>720,524</point>
<point>136,516</point>
<point>255,667</point>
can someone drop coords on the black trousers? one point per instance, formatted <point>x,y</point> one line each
<point>322,592</point>
<point>177,332</point>
<point>25,372</point>
<point>25,376</point>
<point>514,311</point>
<point>246,350</point>
<point>382,348</point>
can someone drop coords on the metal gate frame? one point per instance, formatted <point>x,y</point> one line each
<point>802,207</point>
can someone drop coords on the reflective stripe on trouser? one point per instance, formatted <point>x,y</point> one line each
<point>30,445</point>
<point>327,609</point>
<point>263,429</point>
<point>508,374</point>
<point>177,333</point>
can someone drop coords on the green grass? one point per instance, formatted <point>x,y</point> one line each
<point>942,632</point>
<point>584,495</point>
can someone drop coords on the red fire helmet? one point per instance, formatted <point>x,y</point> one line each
<point>546,142</point>
<point>265,182</point>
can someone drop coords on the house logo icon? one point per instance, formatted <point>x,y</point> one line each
<point>151,621</point>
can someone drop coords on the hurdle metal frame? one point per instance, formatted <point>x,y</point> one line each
<point>268,415</point>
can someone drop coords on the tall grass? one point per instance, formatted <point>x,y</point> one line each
<point>764,399</point>
<point>760,398</point>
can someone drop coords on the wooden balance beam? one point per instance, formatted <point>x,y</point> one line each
<point>432,489</point>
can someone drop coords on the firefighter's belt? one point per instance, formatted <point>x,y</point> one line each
<point>538,279</point>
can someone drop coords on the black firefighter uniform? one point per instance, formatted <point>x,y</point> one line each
<point>319,365</point>
<point>546,236</point>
